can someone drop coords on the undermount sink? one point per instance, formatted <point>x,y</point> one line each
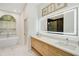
<point>65,45</point>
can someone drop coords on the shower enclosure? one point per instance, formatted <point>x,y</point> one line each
<point>7,26</point>
<point>7,31</point>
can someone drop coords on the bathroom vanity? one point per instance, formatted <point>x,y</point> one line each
<point>64,22</point>
<point>46,48</point>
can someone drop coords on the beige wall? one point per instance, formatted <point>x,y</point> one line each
<point>21,24</point>
<point>32,22</point>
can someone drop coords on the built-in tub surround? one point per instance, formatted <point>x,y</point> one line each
<point>9,41</point>
<point>67,44</point>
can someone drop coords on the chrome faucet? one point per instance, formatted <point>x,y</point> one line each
<point>67,40</point>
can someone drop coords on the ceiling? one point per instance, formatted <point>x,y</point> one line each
<point>12,7</point>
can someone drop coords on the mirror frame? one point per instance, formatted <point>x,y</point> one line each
<point>75,33</point>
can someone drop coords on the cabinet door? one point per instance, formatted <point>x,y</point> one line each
<point>44,48</point>
<point>36,44</point>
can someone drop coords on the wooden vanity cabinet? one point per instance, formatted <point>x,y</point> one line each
<point>46,49</point>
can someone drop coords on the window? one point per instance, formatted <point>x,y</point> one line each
<point>7,25</point>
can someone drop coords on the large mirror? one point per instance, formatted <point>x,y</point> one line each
<point>61,23</point>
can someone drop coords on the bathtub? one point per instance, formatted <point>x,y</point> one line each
<point>8,41</point>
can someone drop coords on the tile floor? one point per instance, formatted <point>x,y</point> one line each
<point>17,50</point>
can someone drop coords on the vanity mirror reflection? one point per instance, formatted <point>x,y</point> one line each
<point>61,23</point>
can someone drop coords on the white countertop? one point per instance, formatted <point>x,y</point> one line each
<point>57,43</point>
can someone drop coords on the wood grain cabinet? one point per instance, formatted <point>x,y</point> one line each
<point>47,50</point>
